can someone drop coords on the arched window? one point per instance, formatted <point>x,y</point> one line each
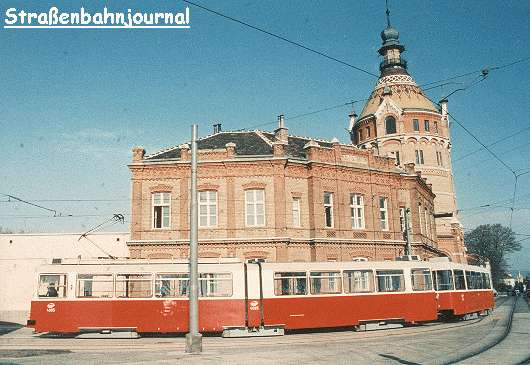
<point>390,125</point>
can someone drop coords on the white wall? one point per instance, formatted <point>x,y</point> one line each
<point>22,254</point>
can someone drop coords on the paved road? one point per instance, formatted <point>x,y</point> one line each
<point>430,344</point>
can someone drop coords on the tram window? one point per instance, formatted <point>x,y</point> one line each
<point>326,282</point>
<point>172,285</point>
<point>95,285</point>
<point>485,281</point>
<point>215,284</point>
<point>358,281</point>
<point>390,280</point>
<point>134,285</point>
<point>421,279</point>
<point>290,283</point>
<point>444,280</point>
<point>477,279</point>
<point>52,285</point>
<point>460,280</point>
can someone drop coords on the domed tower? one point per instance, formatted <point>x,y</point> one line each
<point>399,121</point>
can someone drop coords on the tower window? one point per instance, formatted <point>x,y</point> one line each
<point>427,126</point>
<point>435,126</point>
<point>328,209</point>
<point>416,125</point>
<point>439,158</point>
<point>398,161</point>
<point>390,125</point>
<point>419,157</point>
<point>368,132</point>
<point>360,135</point>
<point>383,213</point>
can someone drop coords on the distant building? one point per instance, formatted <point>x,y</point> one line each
<point>399,121</point>
<point>22,254</point>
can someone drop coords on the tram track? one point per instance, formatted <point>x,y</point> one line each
<point>490,345</point>
<point>216,343</point>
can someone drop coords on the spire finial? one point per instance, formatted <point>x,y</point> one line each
<point>387,15</point>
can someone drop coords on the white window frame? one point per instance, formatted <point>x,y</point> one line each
<point>251,207</point>
<point>419,157</point>
<point>211,208</point>
<point>420,214</point>
<point>297,221</point>
<point>357,211</point>
<point>330,206</point>
<point>383,211</point>
<point>163,203</point>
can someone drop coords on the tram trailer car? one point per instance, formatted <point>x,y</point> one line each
<point>236,297</point>
<point>462,289</point>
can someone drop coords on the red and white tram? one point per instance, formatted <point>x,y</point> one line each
<point>236,297</point>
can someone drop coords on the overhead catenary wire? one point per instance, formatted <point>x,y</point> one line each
<point>282,38</point>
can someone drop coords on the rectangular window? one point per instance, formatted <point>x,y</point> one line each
<point>134,285</point>
<point>439,160</point>
<point>255,208</point>
<point>368,132</point>
<point>172,285</point>
<point>296,212</point>
<point>444,280</point>
<point>161,210</point>
<point>95,286</point>
<point>360,135</point>
<point>357,211</point>
<point>398,160</point>
<point>421,279</point>
<point>421,219</point>
<point>383,213</point>
<point>52,285</point>
<point>402,221</point>
<point>328,209</point>
<point>390,280</point>
<point>326,282</point>
<point>427,223</point>
<point>290,283</point>
<point>358,281</point>
<point>426,125</point>
<point>435,127</point>
<point>486,283</point>
<point>416,125</point>
<point>460,280</point>
<point>215,284</point>
<point>207,208</point>
<point>419,157</point>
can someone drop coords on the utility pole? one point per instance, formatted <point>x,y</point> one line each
<point>408,246</point>
<point>193,337</point>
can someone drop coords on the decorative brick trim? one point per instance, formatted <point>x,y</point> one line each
<point>256,255</point>
<point>296,194</point>
<point>208,186</point>
<point>161,188</point>
<point>209,254</point>
<point>254,185</point>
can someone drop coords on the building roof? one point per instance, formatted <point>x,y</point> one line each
<point>248,143</point>
<point>404,93</point>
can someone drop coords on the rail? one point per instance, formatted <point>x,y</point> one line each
<point>492,344</point>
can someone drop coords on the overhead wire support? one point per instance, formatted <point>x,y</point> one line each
<point>277,36</point>
<point>32,204</point>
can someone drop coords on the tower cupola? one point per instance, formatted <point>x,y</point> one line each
<point>391,50</point>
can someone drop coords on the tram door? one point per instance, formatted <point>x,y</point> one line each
<point>253,295</point>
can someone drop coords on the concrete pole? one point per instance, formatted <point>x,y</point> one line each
<point>408,233</point>
<point>193,337</point>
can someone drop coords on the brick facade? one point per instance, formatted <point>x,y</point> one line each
<point>285,168</point>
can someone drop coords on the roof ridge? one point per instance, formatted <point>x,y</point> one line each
<point>260,134</point>
<point>159,152</point>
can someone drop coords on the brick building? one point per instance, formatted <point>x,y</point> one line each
<point>278,197</point>
<point>400,121</point>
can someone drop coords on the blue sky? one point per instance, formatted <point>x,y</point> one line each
<point>74,102</point>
